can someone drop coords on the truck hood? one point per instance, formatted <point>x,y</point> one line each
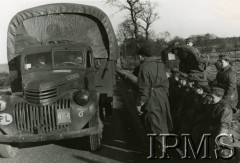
<point>43,80</point>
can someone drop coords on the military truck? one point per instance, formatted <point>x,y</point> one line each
<point>62,68</point>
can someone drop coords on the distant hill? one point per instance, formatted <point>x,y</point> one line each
<point>4,68</point>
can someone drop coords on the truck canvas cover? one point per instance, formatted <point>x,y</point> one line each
<point>56,23</point>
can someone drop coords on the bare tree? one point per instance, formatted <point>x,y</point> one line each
<point>125,31</point>
<point>125,34</point>
<point>148,15</point>
<point>134,8</point>
<point>140,17</point>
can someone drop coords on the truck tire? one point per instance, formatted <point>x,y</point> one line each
<point>8,151</point>
<point>96,139</point>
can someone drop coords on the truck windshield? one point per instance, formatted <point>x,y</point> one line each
<point>69,58</point>
<point>38,61</point>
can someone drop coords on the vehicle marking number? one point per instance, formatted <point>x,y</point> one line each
<point>63,116</point>
<point>73,76</point>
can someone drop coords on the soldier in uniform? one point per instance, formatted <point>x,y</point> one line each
<point>222,121</point>
<point>227,79</point>
<point>217,116</point>
<point>192,62</point>
<point>220,112</point>
<point>153,87</point>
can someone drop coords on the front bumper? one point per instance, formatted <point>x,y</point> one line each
<point>51,136</point>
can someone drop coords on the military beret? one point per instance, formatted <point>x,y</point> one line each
<point>217,91</point>
<point>147,50</point>
<point>224,57</point>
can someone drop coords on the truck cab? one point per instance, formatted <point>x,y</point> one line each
<point>55,70</point>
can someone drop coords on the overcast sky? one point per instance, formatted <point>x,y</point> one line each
<point>179,17</point>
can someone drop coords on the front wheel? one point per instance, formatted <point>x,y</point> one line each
<point>8,151</point>
<point>96,139</point>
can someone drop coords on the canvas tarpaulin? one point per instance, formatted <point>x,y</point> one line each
<point>57,22</point>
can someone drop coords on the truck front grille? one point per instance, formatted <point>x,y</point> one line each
<point>34,95</point>
<point>39,119</point>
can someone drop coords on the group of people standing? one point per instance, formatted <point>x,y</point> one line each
<point>175,96</point>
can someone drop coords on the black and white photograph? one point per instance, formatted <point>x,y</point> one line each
<point>119,81</point>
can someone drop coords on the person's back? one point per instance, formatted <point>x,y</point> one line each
<point>190,59</point>
<point>152,100</point>
<point>192,62</point>
<point>156,72</point>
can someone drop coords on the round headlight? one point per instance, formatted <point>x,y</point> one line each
<point>3,105</point>
<point>82,98</point>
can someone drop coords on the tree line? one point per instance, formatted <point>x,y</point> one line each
<point>136,29</point>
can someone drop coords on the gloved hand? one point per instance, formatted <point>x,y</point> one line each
<point>207,99</point>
